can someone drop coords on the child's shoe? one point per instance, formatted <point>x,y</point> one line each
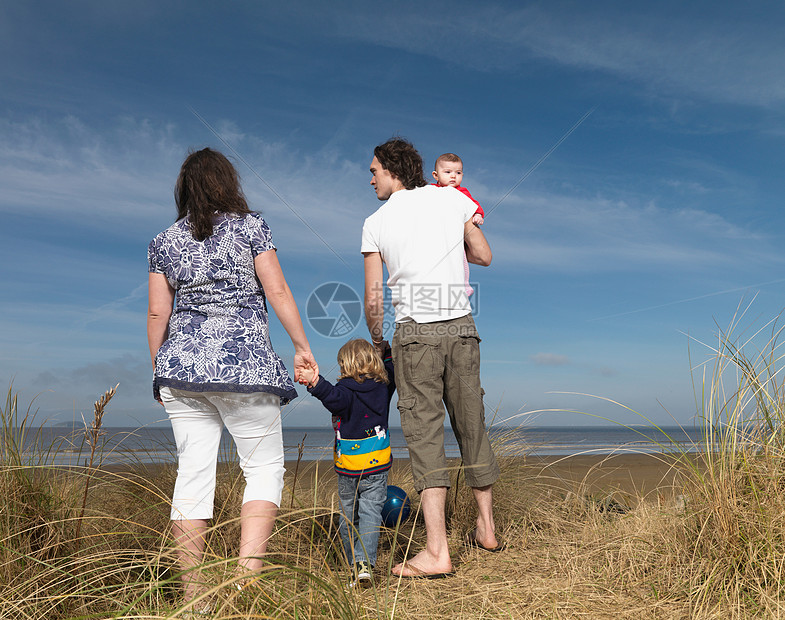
<point>361,575</point>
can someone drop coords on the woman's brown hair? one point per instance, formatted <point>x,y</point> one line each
<point>359,360</point>
<point>208,183</point>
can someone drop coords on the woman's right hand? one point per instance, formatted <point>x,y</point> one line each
<point>304,360</point>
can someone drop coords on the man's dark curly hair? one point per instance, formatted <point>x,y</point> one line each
<point>401,159</point>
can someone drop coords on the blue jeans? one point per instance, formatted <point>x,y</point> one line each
<point>362,500</point>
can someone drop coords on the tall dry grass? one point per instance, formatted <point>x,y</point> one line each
<point>736,528</point>
<point>707,542</point>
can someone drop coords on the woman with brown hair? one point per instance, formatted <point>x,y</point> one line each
<point>211,275</point>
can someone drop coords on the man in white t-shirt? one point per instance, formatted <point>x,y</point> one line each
<point>420,233</point>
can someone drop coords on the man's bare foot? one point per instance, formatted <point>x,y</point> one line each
<point>484,538</point>
<point>422,565</point>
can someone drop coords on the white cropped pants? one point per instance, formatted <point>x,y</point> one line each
<point>254,421</point>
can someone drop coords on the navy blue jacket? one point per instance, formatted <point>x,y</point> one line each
<point>360,419</point>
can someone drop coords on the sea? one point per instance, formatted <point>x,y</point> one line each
<point>66,446</point>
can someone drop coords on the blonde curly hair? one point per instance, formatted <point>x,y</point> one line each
<point>360,360</point>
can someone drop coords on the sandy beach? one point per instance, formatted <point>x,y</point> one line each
<point>632,475</point>
<point>635,475</point>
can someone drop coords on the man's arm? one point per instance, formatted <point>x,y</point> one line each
<point>374,296</point>
<point>478,251</point>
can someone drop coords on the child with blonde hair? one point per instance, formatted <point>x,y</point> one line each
<point>360,404</point>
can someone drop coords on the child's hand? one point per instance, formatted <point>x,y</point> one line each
<point>477,219</point>
<point>308,377</point>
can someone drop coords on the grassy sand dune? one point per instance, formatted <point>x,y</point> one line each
<point>697,535</point>
<point>566,553</point>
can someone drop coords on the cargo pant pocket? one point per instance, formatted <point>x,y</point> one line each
<point>467,355</point>
<point>412,430</point>
<point>420,360</point>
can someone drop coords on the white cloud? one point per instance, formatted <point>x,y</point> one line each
<point>565,233</point>
<point>687,187</point>
<point>64,391</point>
<point>713,54</point>
<point>64,334</point>
<point>124,175</point>
<point>68,169</point>
<point>550,359</point>
<point>98,376</point>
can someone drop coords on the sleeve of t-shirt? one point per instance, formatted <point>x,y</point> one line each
<point>370,242</point>
<point>154,262</point>
<point>468,207</point>
<point>259,234</point>
<point>468,194</point>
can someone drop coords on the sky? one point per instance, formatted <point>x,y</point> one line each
<point>627,155</point>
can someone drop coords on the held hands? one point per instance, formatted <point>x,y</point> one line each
<point>477,219</point>
<point>309,377</point>
<point>306,370</point>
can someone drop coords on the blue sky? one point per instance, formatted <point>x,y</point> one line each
<point>613,259</point>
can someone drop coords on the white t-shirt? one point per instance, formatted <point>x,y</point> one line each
<point>419,234</point>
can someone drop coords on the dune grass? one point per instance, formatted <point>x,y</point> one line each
<point>81,542</point>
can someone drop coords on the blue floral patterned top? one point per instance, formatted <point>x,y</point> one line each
<point>219,338</point>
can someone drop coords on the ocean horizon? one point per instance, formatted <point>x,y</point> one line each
<point>65,445</point>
